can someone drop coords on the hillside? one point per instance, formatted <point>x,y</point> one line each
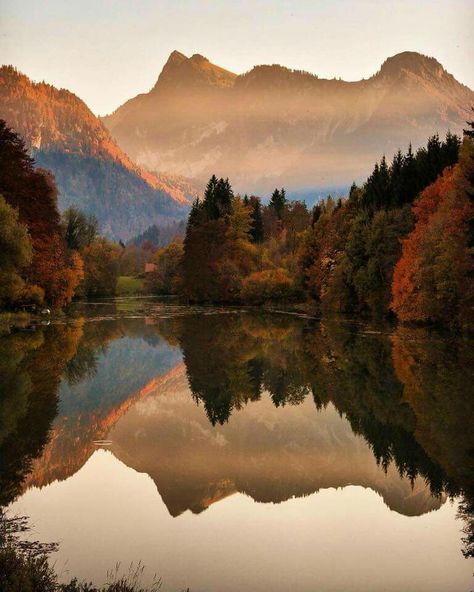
<point>274,126</point>
<point>92,172</point>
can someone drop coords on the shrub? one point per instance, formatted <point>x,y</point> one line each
<point>269,284</point>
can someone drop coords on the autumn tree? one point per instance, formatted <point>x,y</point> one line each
<point>101,267</point>
<point>15,254</point>
<point>433,279</point>
<point>217,247</point>
<point>33,193</point>
<point>165,278</point>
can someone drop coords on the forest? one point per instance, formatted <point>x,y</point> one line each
<point>400,245</point>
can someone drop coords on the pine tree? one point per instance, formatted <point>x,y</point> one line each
<point>218,198</point>
<point>396,181</point>
<point>410,184</point>
<point>256,230</point>
<point>383,198</point>
<point>278,202</point>
<point>469,133</point>
<point>316,214</point>
<point>450,150</point>
<point>369,200</point>
<point>210,200</point>
<point>435,165</point>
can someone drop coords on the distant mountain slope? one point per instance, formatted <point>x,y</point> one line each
<point>274,126</point>
<point>92,172</point>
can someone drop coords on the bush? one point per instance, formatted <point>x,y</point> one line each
<point>270,284</point>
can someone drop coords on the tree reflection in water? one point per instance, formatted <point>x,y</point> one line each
<point>408,392</point>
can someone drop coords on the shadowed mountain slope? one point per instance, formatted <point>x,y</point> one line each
<point>92,172</point>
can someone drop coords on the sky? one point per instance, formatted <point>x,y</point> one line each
<point>107,51</point>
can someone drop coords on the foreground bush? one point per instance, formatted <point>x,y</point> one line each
<point>270,284</point>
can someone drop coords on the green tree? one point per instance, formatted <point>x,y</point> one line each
<point>15,254</point>
<point>79,229</point>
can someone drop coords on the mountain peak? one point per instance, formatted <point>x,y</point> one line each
<point>176,57</point>
<point>413,62</point>
<point>199,59</point>
<point>196,71</point>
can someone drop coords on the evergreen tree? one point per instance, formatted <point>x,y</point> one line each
<point>218,198</point>
<point>434,160</point>
<point>469,133</point>
<point>210,200</point>
<point>316,214</point>
<point>256,229</point>
<point>396,180</point>
<point>409,181</point>
<point>383,193</point>
<point>450,150</point>
<point>278,202</point>
<point>371,189</point>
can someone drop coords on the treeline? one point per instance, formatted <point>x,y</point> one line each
<point>399,245</point>
<point>159,236</point>
<point>35,264</point>
<point>387,250</point>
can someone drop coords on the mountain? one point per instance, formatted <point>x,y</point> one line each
<point>91,171</point>
<point>274,126</point>
<point>268,453</point>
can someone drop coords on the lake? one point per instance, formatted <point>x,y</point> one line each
<point>231,449</point>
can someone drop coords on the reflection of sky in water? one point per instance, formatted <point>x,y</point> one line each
<point>334,540</point>
<point>233,506</point>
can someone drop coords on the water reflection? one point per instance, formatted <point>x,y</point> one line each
<point>273,406</point>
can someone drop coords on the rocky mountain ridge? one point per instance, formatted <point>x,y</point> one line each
<point>275,126</point>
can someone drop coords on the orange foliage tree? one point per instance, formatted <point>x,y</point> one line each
<point>34,194</point>
<point>433,281</point>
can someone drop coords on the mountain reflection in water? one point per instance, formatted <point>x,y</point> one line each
<point>271,406</point>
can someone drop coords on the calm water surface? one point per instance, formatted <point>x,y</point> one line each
<point>229,450</point>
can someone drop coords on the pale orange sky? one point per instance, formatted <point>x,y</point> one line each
<point>107,51</point>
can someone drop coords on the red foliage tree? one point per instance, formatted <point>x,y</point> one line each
<point>433,280</point>
<point>33,193</point>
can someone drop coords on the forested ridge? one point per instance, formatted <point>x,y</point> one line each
<point>399,245</point>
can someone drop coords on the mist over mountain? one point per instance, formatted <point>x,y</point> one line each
<point>274,126</point>
<point>91,171</point>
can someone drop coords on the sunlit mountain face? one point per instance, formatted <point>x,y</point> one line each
<point>92,172</point>
<point>274,126</point>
